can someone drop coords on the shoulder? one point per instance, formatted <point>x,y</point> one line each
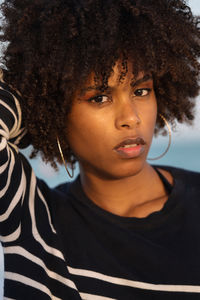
<point>62,191</point>
<point>62,188</point>
<point>190,178</point>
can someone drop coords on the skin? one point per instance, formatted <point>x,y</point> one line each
<point>96,124</point>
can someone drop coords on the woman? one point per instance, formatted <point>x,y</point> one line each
<point>91,81</point>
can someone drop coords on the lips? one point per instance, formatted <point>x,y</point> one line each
<point>131,142</point>
<point>130,148</point>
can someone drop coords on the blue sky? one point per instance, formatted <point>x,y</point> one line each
<point>194,4</point>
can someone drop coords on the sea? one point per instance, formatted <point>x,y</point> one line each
<point>183,153</point>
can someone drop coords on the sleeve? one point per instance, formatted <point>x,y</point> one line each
<point>30,242</point>
<point>13,181</point>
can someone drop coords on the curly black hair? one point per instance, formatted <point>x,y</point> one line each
<point>54,45</point>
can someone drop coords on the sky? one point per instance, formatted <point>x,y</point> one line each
<point>194,4</point>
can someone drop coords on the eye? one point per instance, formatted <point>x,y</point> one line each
<point>142,92</point>
<point>100,99</point>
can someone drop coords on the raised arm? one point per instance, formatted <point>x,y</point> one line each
<point>12,176</point>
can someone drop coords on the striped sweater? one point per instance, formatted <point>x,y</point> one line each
<point>59,245</point>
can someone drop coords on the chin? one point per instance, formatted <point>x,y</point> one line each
<point>123,172</point>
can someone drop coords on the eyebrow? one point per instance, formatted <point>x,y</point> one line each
<point>90,88</point>
<point>141,80</point>
<point>133,84</point>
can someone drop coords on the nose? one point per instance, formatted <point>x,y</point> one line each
<point>127,115</point>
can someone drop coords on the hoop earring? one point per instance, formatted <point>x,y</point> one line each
<point>169,142</point>
<point>64,162</point>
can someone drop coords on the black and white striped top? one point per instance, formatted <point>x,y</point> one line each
<point>59,245</point>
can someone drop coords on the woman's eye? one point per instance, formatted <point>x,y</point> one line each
<point>142,92</point>
<point>99,99</point>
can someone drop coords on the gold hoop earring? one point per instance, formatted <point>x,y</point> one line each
<point>64,162</point>
<point>169,142</point>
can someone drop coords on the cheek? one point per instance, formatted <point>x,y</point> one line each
<point>86,132</point>
<point>149,113</point>
<point>152,122</point>
<point>149,117</point>
<point>153,111</point>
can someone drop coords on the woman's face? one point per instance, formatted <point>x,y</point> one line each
<point>110,133</point>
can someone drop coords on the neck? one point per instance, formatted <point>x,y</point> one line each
<point>136,195</point>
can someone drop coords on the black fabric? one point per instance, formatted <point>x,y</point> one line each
<point>162,248</point>
<point>168,186</point>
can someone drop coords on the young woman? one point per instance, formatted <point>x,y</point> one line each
<point>92,81</point>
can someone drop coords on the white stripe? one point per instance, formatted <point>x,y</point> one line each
<point>5,128</point>
<point>30,282</point>
<point>135,284</point>
<point>22,132</point>
<point>11,167</point>
<point>94,297</point>
<point>35,232</point>
<point>1,75</point>
<point>17,122</point>
<point>3,143</point>
<point>19,195</point>
<point>21,251</point>
<point>15,130</point>
<point>13,146</point>
<point>4,134</point>
<point>47,209</point>
<point>11,237</point>
<point>16,125</point>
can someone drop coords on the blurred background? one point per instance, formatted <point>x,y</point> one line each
<point>184,151</point>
